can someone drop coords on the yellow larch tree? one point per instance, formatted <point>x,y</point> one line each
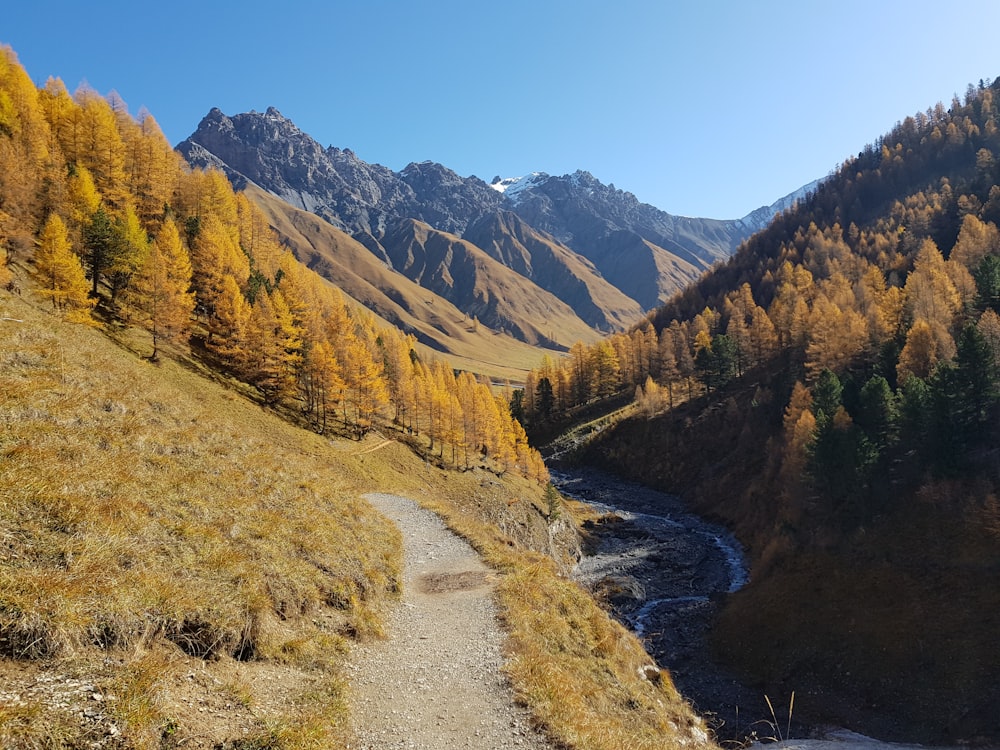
<point>799,428</point>
<point>100,147</point>
<point>795,291</point>
<point>130,251</point>
<point>83,196</point>
<point>366,391</point>
<point>162,289</point>
<point>257,238</point>
<point>215,256</point>
<point>502,444</point>
<point>605,368</point>
<point>26,163</point>
<point>836,335</point>
<point>228,325</point>
<point>64,119</point>
<point>274,347</point>
<point>60,272</point>
<point>398,356</point>
<point>976,240</point>
<point>763,338</point>
<point>444,429</point>
<point>152,167</point>
<point>490,411</point>
<point>322,383</point>
<point>927,343</point>
<point>472,421</point>
<point>308,298</point>
<point>204,193</point>
<point>423,414</point>
<point>930,293</point>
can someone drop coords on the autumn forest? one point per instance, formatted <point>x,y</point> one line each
<point>123,224</point>
<point>831,392</point>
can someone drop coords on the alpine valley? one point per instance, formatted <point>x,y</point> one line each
<point>542,261</point>
<point>216,361</point>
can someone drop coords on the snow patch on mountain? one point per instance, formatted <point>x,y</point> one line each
<point>512,186</point>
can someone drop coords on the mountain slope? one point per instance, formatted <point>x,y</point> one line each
<point>481,286</point>
<point>555,268</point>
<point>364,277</point>
<point>601,252</point>
<point>833,392</point>
<point>579,210</point>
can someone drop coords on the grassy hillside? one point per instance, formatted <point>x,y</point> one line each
<point>169,543</point>
<point>182,568</point>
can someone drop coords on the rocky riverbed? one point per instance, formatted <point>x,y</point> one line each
<point>664,572</point>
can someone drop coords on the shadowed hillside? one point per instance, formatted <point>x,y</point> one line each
<point>831,392</point>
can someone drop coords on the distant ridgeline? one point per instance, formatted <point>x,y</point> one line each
<point>585,258</point>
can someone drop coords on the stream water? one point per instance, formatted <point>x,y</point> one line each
<point>664,571</point>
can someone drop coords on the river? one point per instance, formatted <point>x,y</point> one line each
<point>664,571</point>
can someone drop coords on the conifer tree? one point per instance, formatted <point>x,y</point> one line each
<point>60,273</point>
<point>324,384</point>
<point>84,198</point>
<point>26,159</point>
<point>229,324</point>
<point>366,391</point>
<point>215,257</point>
<point>274,345</point>
<point>799,429</point>
<point>100,148</point>
<point>151,165</point>
<point>129,251</point>
<point>162,289</point>
<point>100,240</point>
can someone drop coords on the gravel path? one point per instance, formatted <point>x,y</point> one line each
<point>436,681</point>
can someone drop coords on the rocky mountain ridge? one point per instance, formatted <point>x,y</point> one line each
<point>590,246</point>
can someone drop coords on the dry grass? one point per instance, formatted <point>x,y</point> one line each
<point>587,680</point>
<point>202,565</point>
<point>145,509</point>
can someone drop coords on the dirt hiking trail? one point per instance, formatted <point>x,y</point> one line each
<point>436,682</point>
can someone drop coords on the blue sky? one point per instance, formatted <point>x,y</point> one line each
<point>702,108</point>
